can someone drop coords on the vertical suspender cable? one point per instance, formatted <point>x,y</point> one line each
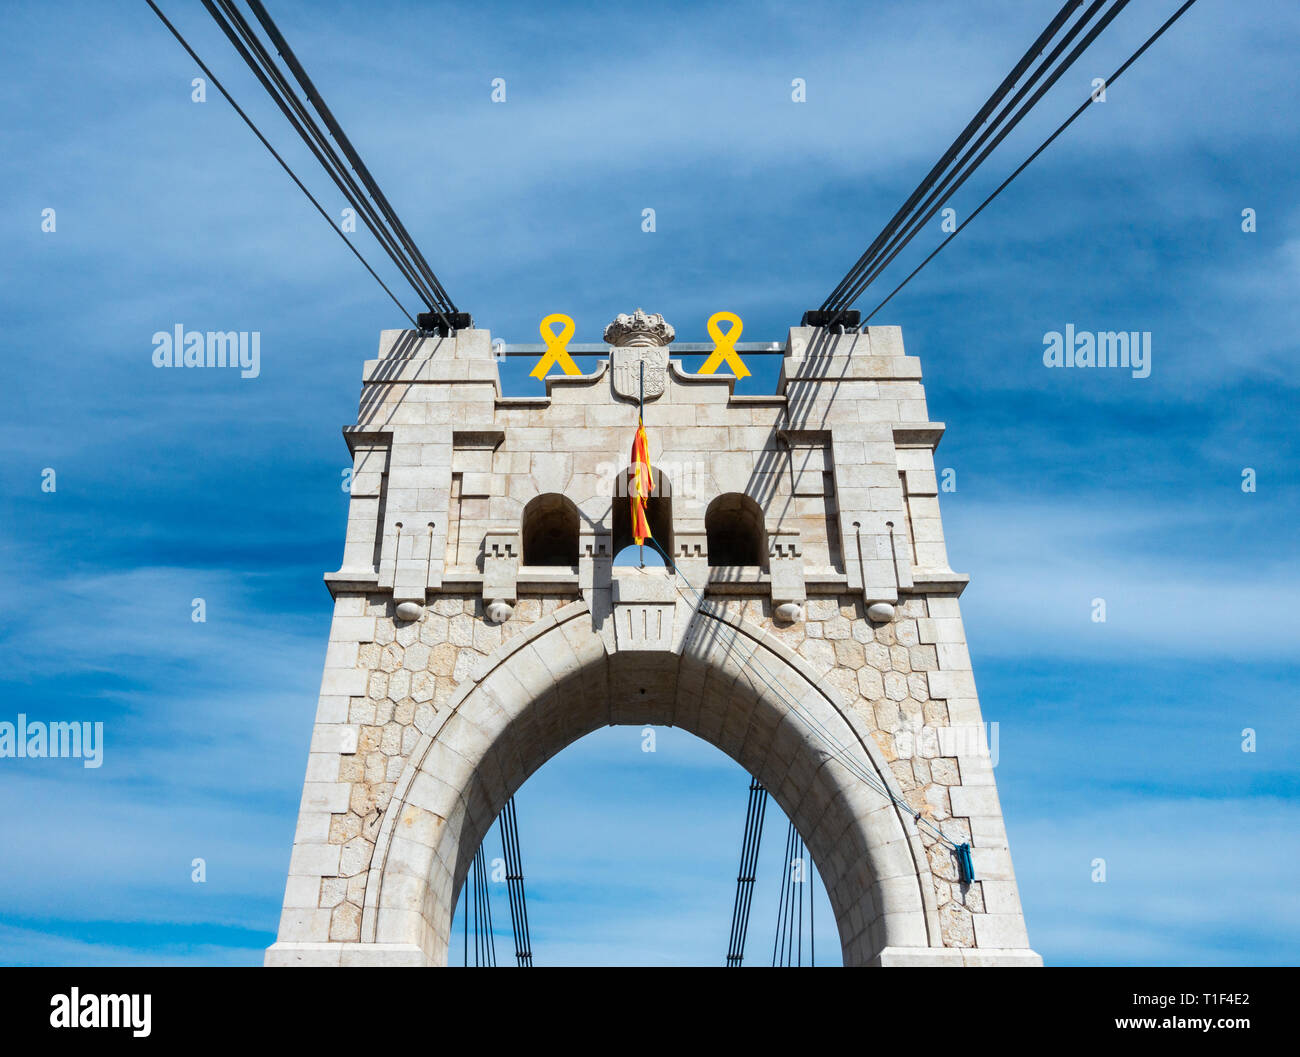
<point>753,835</point>
<point>812,917</point>
<point>509,824</point>
<point>778,945</point>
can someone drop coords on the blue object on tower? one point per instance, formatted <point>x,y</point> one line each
<point>964,864</point>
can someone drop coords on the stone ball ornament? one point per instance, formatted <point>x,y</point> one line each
<point>789,612</point>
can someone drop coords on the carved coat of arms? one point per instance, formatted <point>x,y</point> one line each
<point>627,371</point>
<point>639,339</point>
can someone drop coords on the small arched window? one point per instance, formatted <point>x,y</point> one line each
<point>734,527</point>
<point>658,511</point>
<point>550,531</point>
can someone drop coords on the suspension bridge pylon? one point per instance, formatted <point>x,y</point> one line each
<point>806,622</point>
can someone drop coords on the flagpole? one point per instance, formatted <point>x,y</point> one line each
<point>640,417</point>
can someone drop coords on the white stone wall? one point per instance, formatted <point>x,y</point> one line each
<point>840,461</point>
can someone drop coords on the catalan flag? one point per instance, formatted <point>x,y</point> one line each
<point>640,483</point>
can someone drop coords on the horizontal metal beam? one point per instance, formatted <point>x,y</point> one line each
<point>753,348</point>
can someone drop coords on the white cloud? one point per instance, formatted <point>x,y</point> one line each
<point>28,946</point>
<point>1036,568</point>
<point>1190,881</point>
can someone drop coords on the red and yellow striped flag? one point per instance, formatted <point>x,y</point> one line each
<point>640,483</point>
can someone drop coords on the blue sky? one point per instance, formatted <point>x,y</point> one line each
<point>1119,741</point>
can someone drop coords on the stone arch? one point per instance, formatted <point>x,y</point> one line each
<point>733,526</point>
<point>549,531</point>
<point>566,677</point>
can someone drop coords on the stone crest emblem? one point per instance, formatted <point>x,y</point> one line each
<point>627,371</point>
<point>637,339</point>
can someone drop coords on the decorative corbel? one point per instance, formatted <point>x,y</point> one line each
<point>500,574</point>
<point>785,561</point>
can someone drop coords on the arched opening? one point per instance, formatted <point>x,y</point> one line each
<point>541,692</point>
<point>630,842</point>
<point>550,531</point>
<point>659,512</point>
<point>734,527</point>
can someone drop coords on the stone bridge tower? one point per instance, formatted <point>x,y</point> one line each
<point>480,627</point>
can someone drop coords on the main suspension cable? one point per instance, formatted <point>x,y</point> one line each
<point>835,298</point>
<point>966,167</point>
<point>251,49</point>
<point>442,302</point>
<point>276,155</point>
<point>1042,147</point>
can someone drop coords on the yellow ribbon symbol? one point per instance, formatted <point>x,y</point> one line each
<point>724,345</point>
<point>556,346</point>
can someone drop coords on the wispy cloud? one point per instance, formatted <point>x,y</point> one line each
<point>181,485</point>
<point>1187,882</point>
<point>1039,568</point>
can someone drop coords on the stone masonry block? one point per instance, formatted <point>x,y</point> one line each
<point>325,796</point>
<point>975,800</point>
<point>1000,930</point>
<point>353,629</point>
<point>335,737</point>
<point>317,860</point>
<point>951,684</point>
